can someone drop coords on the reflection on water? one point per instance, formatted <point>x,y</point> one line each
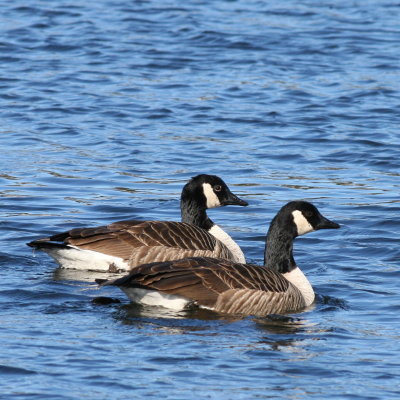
<point>134,311</point>
<point>330,303</point>
<point>62,274</point>
<point>195,319</point>
<point>282,324</point>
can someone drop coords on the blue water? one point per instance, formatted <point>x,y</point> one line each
<point>108,108</point>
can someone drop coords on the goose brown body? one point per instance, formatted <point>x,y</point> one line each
<point>230,287</point>
<point>217,284</point>
<point>123,245</point>
<point>138,242</point>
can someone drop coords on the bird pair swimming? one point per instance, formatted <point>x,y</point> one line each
<point>190,265</point>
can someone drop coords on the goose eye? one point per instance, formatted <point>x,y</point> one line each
<point>309,213</point>
<point>217,188</point>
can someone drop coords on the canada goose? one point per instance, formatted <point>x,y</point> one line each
<point>123,245</point>
<point>229,287</point>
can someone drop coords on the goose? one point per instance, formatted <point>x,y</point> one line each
<point>121,246</point>
<point>229,287</point>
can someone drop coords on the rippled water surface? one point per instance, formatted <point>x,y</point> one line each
<point>109,107</point>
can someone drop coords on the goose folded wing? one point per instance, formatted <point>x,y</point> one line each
<point>215,283</point>
<point>139,242</point>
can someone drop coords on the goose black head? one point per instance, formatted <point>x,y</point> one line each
<point>210,190</point>
<point>293,219</point>
<point>306,217</point>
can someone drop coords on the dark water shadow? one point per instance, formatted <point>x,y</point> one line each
<point>330,303</point>
<point>281,324</point>
<point>200,320</point>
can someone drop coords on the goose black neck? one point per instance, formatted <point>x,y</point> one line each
<point>278,253</point>
<point>194,213</point>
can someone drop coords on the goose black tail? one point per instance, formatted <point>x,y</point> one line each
<point>44,244</point>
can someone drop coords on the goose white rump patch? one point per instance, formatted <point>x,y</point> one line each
<point>89,260</point>
<point>155,298</point>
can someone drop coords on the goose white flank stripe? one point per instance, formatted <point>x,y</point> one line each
<point>123,245</point>
<point>235,288</point>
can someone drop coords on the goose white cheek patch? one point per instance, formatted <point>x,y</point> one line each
<point>212,198</point>
<point>303,226</point>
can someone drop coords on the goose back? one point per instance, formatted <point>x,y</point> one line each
<point>123,245</point>
<point>236,288</point>
<point>216,284</point>
<point>131,243</point>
